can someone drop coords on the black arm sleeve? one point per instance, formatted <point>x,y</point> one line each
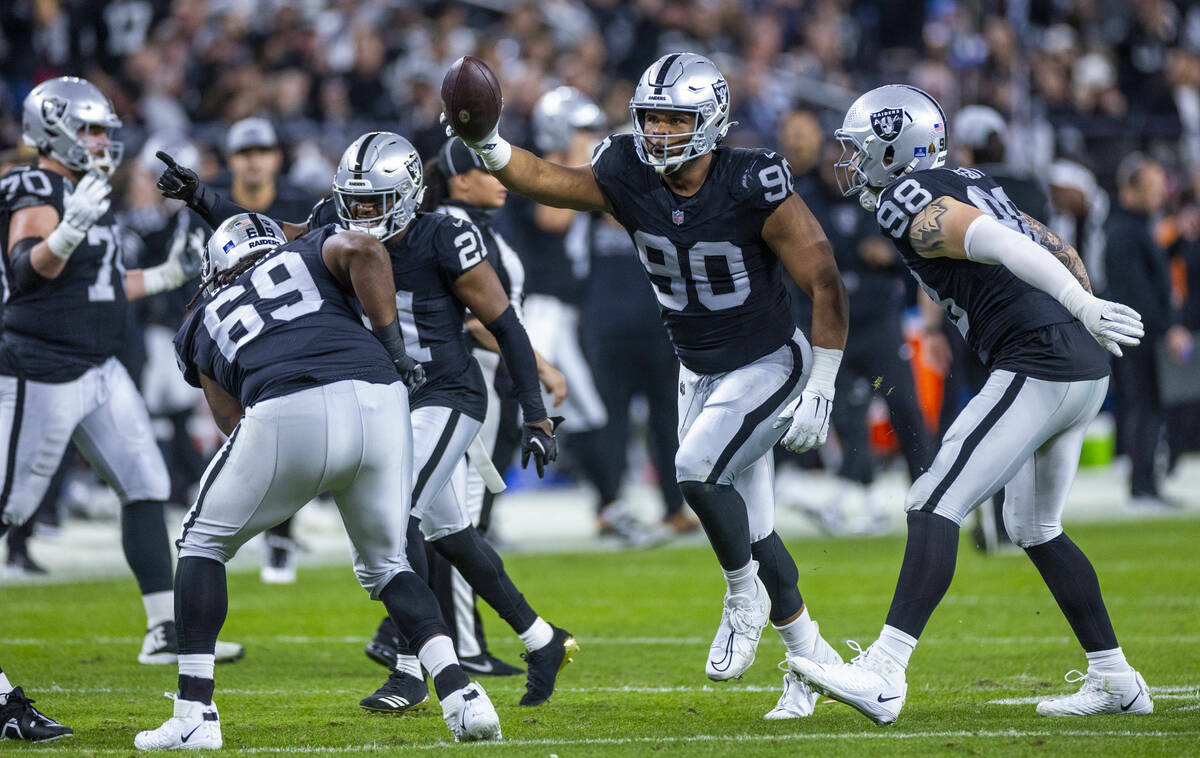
<point>212,207</point>
<point>24,278</point>
<point>521,363</point>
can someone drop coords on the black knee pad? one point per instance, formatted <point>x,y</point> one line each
<point>411,604</point>
<point>779,574</point>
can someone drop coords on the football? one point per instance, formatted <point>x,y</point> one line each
<point>471,97</point>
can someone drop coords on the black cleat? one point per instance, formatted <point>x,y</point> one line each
<point>399,694</point>
<point>385,645</point>
<point>486,664</point>
<point>20,565</point>
<point>544,665</point>
<point>19,720</point>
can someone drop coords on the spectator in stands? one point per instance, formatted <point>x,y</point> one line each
<point>1136,270</point>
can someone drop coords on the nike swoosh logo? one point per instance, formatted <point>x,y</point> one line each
<point>187,736</point>
<point>883,699</point>
<point>727,659</point>
<point>483,668</point>
<point>1127,706</point>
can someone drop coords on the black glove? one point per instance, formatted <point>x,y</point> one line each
<point>412,372</point>
<point>177,182</point>
<point>181,183</point>
<point>543,447</point>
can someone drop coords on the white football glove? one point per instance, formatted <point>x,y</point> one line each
<point>181,265</point>
<point>493,150</point>
<point>809,413</point>
<point>1112,324</point>
<point>81,209</point>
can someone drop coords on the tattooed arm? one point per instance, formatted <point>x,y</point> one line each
<point>939,230</point>
<point>1065,254</point>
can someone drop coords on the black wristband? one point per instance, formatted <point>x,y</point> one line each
<point>521,363</point>
<point>391,338</point>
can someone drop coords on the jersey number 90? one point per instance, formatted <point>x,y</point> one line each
<point>716,271</point>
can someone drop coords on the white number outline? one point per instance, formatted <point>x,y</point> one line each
<point>776,175</point>
<point>470,248</point>
<point>9,184</point>
<point>913,196</point>
<point>675,297</point>
<point>408,328</point>
<point>298,280</point>
<point>102,290</point>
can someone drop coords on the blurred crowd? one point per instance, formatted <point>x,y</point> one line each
<point>1089,110</point>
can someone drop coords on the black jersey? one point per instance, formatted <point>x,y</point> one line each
<point>282,326</point>
<point>65,325</point>
<point>1009,323</point>
<point>436,250</point>
<point>719,288</point>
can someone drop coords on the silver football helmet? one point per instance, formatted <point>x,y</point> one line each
<point>237,237</point>
<point>56,111</point>
<point>888,132</point>
<point>559,114</point>
<point>380,172</point>
<point>681,82</point>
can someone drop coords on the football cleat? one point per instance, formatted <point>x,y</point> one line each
<point>1119,694</point>
<point>486,664</point>
<point>279,560</point>
<point>545,664</point>
<point>19,720</point>
<point>193,726</point>
<point>872,683</point>
<point>385,645</point>
<point>743,618</point>
<point>798,699</point>
<point>470,714</point>
<point>160,646</point>
<point>399,694</point>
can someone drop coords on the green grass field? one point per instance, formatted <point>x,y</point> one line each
<point>638,686</point>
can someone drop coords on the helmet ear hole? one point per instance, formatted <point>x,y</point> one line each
<point>889,155</point>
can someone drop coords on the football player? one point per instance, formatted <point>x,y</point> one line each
<point>65,289</point>
<point>711,226</point>
<point>311,402</point>
<point>440,269</point>
<point>1022,300</point>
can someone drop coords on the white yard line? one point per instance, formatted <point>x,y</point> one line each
<point>889,734</point>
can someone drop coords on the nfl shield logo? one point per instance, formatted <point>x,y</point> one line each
<point>887,123</point>
<point>677,217</point>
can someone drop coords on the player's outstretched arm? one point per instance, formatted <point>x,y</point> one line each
<point>361,263</point>
<point>797,238</point>
<point>181,183</point>
<point>952,229</point>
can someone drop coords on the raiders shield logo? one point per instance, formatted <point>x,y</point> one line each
<point>887,123</point>
<point>53,109</point>
<point>721,90</point>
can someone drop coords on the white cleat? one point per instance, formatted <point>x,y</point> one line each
<point>872,683</point>
<point>470,715</point>
<point>798,699</point>
<point>742,621</point>
<point>159,647</point>
<point>195,726</point>
<point>1120,694</point>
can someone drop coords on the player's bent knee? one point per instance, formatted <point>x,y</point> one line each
<point>1026,536</point>
<point>220,554</point>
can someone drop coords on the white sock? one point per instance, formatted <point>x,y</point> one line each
<point>199,665</point>
<point>409,664</point>
<point>5,685</point>
<point>896,644</point>
<point>799,635</point>
<point>160,607</point>
<point>437,654</point>
<point>1107,662</point>
<point>741,581</point>
<point>538,635</point>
